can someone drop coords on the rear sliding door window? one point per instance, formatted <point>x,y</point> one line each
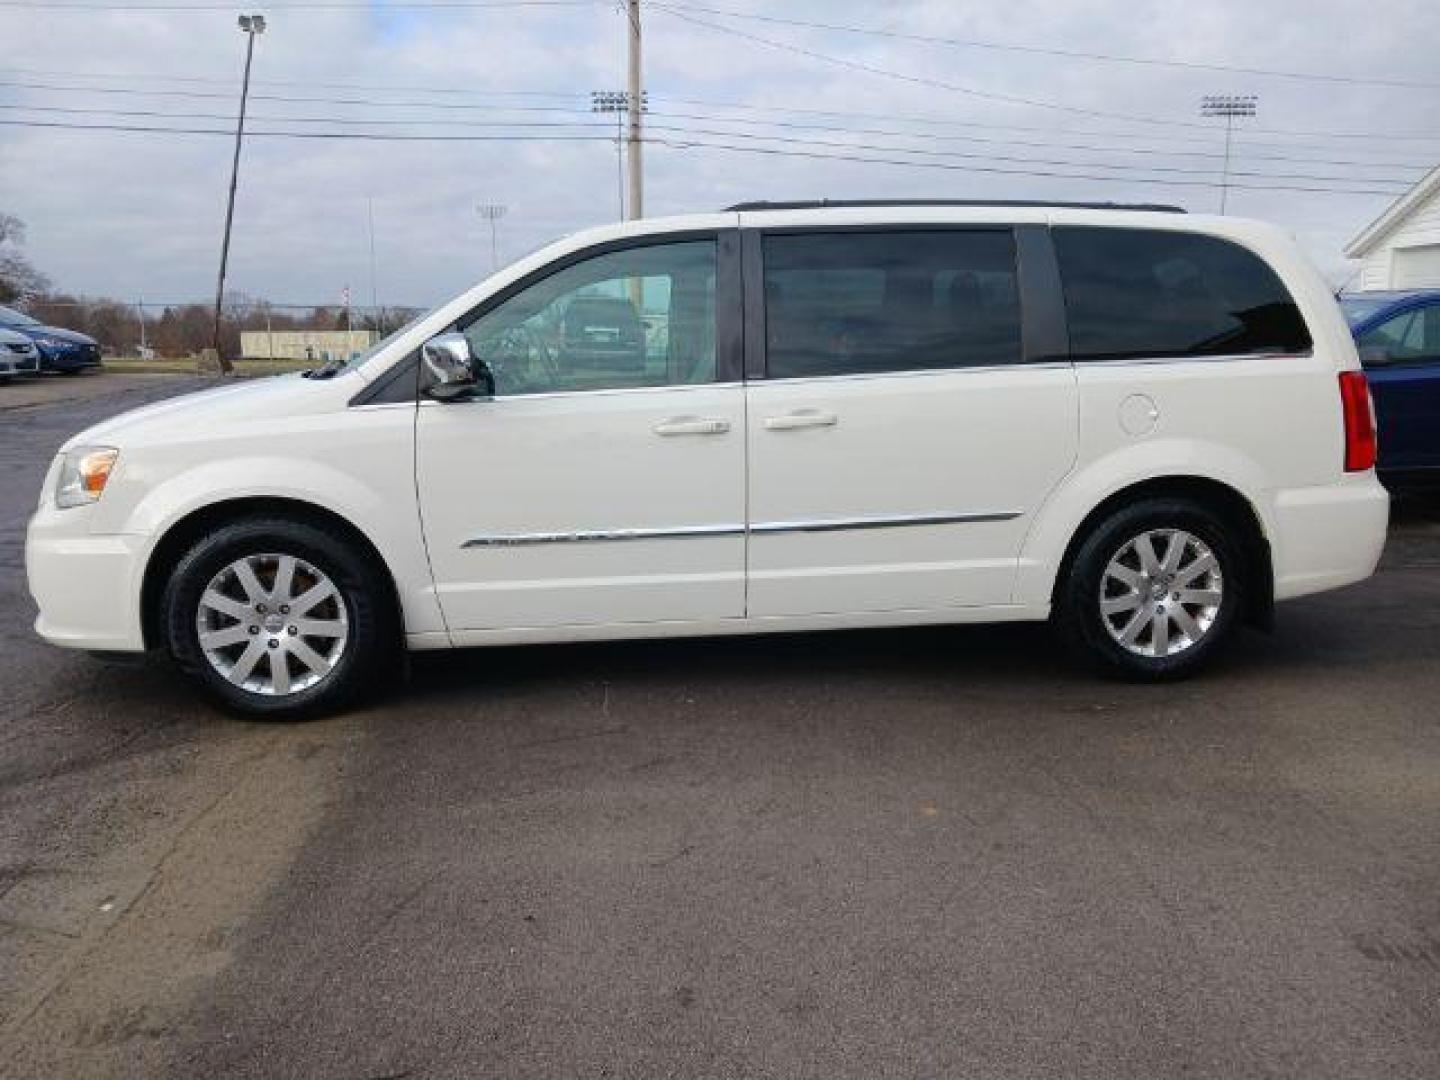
<point>1155,293</point>
<point>858,302</point>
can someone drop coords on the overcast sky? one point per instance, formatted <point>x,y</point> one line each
<point>139,215</point>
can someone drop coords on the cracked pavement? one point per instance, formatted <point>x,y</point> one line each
<point>938,852</point>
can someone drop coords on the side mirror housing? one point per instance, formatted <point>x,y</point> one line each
<point>452,371</point>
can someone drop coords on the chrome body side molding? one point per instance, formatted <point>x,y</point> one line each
<point>764,527</point>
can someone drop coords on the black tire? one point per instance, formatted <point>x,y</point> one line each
<point>363,657</point>
<point>1077,613</point>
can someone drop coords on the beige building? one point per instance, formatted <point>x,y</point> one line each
<point>317,345</point>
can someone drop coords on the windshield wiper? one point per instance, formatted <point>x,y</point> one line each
<point>328,370</point>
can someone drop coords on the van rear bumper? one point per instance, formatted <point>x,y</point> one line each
<point>1326,537</point>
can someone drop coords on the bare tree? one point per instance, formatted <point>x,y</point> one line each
<point>18,279</point>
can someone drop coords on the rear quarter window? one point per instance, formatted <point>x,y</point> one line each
<point>1133,293</point>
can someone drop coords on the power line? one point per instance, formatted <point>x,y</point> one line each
<point>1008,99</point>
<point>305,5</point>
<point>1402,182</point>
<point>750,16</point>
<point>919,80</point>
<point>580,97</point>
<point>311,83</point>
<point>289,99</point>
<point>954,154</point>
<point>156,114</point>
<point>1045,145</point>
<point>936,121</point>
<point>338,135</point>
<point>684,144</point>
<point>1072,54</point>
<point>1415,167</point>
<point>687,143</point>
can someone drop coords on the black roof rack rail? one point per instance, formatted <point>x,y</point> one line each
<point>820,204</point>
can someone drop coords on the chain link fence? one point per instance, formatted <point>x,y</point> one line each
<point>253,330</point>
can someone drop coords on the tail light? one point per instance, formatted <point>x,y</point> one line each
<point>1359,421</point>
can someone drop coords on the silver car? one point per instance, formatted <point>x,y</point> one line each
<point>18,354</point>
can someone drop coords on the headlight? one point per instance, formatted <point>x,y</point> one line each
<point>84,474</point>
<point>52,343</point>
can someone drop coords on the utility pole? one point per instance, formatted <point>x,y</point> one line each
<point>251,26</point>
<point>635,95</point>
<point>1229,106</point>
<point>493,212</point>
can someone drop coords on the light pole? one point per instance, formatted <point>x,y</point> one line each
<point>374,289</point>
<point>617,102</point>
<point>1229,106</point>
<point>613,101</point>
<point>251,26</point>
<point>493,212</point>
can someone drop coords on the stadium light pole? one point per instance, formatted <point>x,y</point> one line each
<point>251,26</point>
<point>493,212</point>
<point>617,102</point>
<point>1229,106</point>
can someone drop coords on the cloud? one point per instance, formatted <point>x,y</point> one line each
<point>139,216</point>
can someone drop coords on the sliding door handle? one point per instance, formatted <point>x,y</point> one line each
<point>691,425</point>
<point>801,418</point>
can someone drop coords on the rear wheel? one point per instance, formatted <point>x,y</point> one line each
<point>1155,590</point>
<point>276,618</point>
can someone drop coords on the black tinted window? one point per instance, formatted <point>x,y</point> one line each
<point>1142,292</point>
<point>838,303</point>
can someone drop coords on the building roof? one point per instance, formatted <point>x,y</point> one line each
<point>1394,216</point>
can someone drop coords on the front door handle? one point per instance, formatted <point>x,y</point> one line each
<point>801,418</point>
<point>691,425</point>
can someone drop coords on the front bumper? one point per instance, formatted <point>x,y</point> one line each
<point>13,363</point>
<point>70,359</point>
<point>86,586</point>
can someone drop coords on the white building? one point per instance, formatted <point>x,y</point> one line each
<point>1401,248</point>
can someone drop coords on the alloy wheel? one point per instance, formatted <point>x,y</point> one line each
<point>272,624</point>
<point>1161,592</point>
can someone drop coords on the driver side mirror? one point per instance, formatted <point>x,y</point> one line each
<point>453,371</point>
<point>1374,355</point>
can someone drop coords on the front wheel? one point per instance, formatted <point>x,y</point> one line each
<point>1154,591</point>
<point>276,618</point>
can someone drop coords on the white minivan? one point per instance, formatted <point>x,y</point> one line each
<point>1144,426</point>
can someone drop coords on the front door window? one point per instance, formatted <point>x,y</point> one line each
<point>632,318</point>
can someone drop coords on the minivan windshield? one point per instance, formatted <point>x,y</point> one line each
<point>11,317</point>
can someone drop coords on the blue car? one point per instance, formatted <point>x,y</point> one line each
<point>1398,335</point>
<point>61,350</point>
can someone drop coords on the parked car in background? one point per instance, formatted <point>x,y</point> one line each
<point>18,355</point>
<point>1145,426</point>
<point>65,351</point>
<point>1398,335</point>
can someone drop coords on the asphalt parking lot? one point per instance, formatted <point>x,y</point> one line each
<point>941,852</point>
